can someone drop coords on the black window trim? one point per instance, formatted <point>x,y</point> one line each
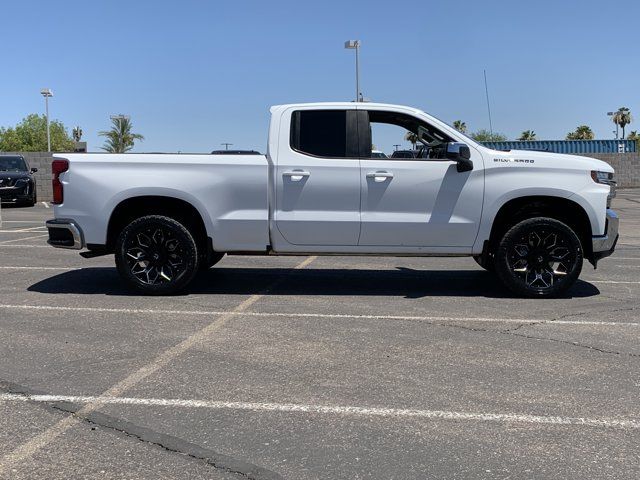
<point>352,136</point>
<point>366,140</point>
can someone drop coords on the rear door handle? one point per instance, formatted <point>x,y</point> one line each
<point>296,175</point>
<point>380,176</point>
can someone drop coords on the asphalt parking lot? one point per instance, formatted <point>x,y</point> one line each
<point>315,367</point>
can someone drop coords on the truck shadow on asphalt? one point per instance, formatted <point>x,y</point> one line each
<point>401,282</point>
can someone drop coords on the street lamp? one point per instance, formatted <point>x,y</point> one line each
<point>46,93</point>
<point>355,45</point>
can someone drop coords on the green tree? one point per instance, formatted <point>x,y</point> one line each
<point>30,135</point>
<point>120,139</point>
<point>622,118</point>
<point>412,138</point>
<point>485,135</point>
<point>527,136</point>
<point>583,132</point>
<point>634,135</point>
<point>460,126</point>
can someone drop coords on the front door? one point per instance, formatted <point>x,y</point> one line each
<point>318,178</point>
<point>414,198</point>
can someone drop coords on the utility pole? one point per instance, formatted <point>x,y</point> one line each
<point>226,145</point>
<point>46,93</point>
<point>396,145</point>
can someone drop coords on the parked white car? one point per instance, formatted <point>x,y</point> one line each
<point>532,217</point>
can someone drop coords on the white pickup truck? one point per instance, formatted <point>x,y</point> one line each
<point>530,217</point>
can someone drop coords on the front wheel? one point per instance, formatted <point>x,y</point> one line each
<point>539,257</point>
<point>156,255</point>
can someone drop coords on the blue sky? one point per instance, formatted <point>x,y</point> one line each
<point>193,74</point>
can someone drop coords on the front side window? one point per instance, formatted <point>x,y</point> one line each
<point>321,133</point>
<point>402,136</point>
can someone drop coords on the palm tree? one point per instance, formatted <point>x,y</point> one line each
<point>583,132</point>
<point>412,138</point>
<point>633,135</point>
<point>460,126</point>
<point>527,136</point>
<point>622,118</point>
<point>119,138</point>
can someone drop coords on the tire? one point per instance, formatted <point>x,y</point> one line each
<point>539,257</point>
<point>156,255</point>
<point>489,266</point>
<point>207,263</point>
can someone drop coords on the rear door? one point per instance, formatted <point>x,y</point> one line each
<point>415,202</point>
<point>318,177</point>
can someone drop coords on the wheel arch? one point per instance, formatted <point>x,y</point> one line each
<point>562,209</point>
<point>181,210</point>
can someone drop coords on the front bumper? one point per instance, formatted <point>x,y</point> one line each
<point>604,245</point>
<point>65,233</point>
<point>15,194</point>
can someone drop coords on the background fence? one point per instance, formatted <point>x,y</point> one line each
<point>568,146</point>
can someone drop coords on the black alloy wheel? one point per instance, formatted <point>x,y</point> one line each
<point>539,257</point>
<point>156,255</point>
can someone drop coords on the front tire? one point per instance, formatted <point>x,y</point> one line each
<point>156,255</point>
<point>539,257</point>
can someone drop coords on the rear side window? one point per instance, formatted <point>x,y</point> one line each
<point>321,133</point>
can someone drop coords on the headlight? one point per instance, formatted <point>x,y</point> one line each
<point>605,178</point>
<point>21,182</point>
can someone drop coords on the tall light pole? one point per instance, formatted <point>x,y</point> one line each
<point>226,145</point>
<point>355,45</point>
<point>46,93</point>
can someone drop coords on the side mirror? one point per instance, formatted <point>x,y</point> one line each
<point>460,153</point>
<point>34,170</point>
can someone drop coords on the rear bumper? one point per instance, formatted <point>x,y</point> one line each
<point>604,245</point>
<point>65,233</point>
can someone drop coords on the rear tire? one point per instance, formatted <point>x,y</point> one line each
<point>539,257</point>
<point>156,255</point>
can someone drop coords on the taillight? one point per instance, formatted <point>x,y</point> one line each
<point>58,166</point>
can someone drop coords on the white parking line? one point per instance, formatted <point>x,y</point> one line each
<point>39,268</point>
<point>27,246</point>
<point>30,447</point>
<point>613,281</point>
<point>40,222</point>
<point>333,410</point>
<point>46,205</point>
<point>21,239</point>
<point>342,316</point>
<point>23,230</point>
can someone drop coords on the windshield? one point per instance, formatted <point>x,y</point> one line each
<point>12,164</point>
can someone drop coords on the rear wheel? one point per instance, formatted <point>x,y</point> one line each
<point>156,255</point>
<point>539,257</point>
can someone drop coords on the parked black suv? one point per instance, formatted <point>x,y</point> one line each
<point>17,183</point>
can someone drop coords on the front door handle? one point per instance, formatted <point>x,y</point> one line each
<point>380,176</point>
<point>296,175</point>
